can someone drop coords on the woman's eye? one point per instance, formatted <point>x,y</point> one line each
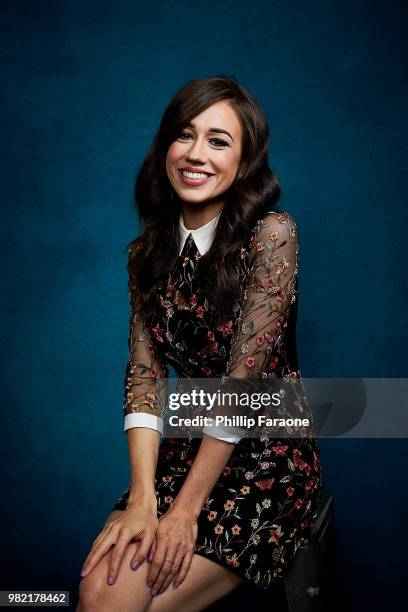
<point>218,142</point>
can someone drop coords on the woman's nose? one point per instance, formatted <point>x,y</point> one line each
<point>197,151</point>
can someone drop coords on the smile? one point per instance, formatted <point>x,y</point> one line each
<point>194,178</point>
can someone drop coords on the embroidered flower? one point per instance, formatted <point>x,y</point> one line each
<point>250,362</point>
<point>232,560</point>
<point>199,312</point>
<point>226,329</point>
<point>275,535</point>
<point>280,449</point>
<point>158,333</point>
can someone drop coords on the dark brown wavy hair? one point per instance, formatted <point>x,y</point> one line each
<point>254,191</point>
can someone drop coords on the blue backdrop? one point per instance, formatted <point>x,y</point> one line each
<point>84,87</point>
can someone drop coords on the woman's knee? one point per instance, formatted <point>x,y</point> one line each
<point>93,588</point>
<point>129,591</point>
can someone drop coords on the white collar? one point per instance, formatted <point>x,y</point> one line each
<point>202,236</point>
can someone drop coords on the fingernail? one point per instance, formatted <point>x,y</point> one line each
<point>176,584</point>
<point>150,584</point>
<point>83,572</point>
<point>161,591</point>
<point>135,565</point>
<point>110,580</point>
<point>150,557</point>
<point>154,593</point>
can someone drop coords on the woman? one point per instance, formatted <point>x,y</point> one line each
<point>213,285</point>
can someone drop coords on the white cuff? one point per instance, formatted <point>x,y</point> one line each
<point>143,419</point>
<point>225,435</point>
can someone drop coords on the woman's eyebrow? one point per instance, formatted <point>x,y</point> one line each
<point>215,130</point>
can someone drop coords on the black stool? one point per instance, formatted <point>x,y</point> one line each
<point>307,583</point>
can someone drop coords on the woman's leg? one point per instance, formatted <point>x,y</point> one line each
<point>205,583</point>
<point>130,592</point>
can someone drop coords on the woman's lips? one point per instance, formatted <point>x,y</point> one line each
<point>194,182</point>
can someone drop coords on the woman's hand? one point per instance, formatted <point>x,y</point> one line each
<point>138,522</point>
<point>172,550</point>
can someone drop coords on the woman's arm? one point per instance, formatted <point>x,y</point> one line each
<point>144,401</point>
<point>139,521</point>
<point>177,533</point>
<point>143,447</point>
<point>205,470</point>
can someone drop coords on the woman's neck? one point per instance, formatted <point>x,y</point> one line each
<point>197,215</point>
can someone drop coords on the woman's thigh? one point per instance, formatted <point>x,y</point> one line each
<point>129,592</point>
<point>205,583</point>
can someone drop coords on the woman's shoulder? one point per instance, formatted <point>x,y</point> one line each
<point>274,224</point>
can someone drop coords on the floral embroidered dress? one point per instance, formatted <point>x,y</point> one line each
<point>263,505</point>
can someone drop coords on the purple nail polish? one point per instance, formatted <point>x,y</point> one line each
<point>110,580</point>
<point>150,584</point>
<point>161,591</point>
<point>83,572</point>
<point>154,593</point>
<point>176,584</point>
<point>135,565</point>
<point>150,557</point>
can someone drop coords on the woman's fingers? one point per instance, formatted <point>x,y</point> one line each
<point>156,563</point>
<point>116,557</point>
<point>166,568</point>
<point>96,555</point>
<point>152,549</point>
<point>185,566</point>
<point>145,540</point>
<point>101,536</point>
<point>173,572</point>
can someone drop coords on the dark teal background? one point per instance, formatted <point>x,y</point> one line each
<point>84,87</point>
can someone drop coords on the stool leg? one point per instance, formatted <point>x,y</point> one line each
<point>303,584</point>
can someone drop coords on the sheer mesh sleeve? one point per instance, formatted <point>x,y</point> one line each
<point>269,293</point>
<point>270,290</point>
<point>146,378</point>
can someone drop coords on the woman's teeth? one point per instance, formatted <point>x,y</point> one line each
<point>194,175</point>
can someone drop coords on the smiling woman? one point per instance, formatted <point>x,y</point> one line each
<point>213,288</point>
<point>212,163</point>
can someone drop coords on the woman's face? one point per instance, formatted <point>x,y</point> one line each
<point>203,162</point>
